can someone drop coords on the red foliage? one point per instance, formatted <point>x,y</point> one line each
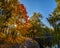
<point>23,13</point>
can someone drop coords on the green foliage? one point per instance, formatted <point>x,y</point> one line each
<point>36,25</point>
<point>54,21</point>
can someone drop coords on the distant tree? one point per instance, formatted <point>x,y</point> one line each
<point>36,24</point>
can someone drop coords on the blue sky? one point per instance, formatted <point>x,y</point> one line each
<point>45,7</point>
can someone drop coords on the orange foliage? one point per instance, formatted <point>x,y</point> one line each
<point>19,39</point>
<point>9,39</point>
<point>23,14</point>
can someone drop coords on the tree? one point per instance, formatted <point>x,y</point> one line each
<point>22,20</point>
<point>36,24</point>
<point>54,20</point>
<point>13,21</point>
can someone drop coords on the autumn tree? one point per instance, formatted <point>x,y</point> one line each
<point>13,21</point>
<point>22,20</point>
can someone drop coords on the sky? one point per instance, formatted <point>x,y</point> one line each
<point>45,7</point>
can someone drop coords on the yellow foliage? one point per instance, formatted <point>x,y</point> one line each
<point>2,35</point>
